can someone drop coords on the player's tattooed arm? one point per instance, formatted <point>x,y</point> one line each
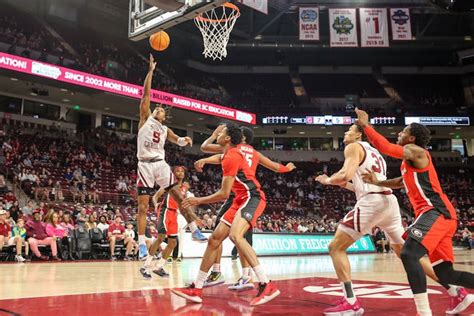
<point>371,178</point>
<point>208,145</point>
<point>145,111</point>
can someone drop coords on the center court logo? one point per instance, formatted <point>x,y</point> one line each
<point>368,290</point>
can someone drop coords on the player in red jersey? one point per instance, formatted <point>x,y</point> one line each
<point>249,203</point>
<point>167,225</point>
<point>436,220</point>
<point>208,146</point>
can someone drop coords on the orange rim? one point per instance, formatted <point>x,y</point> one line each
<point>225,5</point>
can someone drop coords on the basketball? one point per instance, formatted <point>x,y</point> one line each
<point>160,41</point>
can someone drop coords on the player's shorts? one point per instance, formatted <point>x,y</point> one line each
<point>435,233</point>
<point>375,209</point>
<point>151,173</point>
<point>224,208</point>
<point>250,207</point>
<point>168,222</point>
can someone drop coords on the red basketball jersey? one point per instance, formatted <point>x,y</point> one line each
<point>241,162</point>
<point>169,203</point>
<point>424,190</point>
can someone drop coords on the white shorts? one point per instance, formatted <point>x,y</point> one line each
<point>374,210</point>
<point>11,241</point>
<point>151,173</point>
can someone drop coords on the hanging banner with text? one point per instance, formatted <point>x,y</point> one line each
<point>71,76</point>
<point>401,24</point>
<point>343,28</point>
<point>373,27</point>
<point>309,24</point>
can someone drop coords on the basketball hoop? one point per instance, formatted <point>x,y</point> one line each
<point>215,26</point>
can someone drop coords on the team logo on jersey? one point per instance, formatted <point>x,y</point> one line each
<point>248,216</point>
<point>400,17</point>
<point>342,25</point>
<point>417,233</point>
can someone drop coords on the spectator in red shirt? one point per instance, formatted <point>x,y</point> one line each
<point>116,232</point>
<point>36,231</point>
<point>5,230</point>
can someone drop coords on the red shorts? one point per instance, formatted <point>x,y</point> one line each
<point>168,222</point>
<point>250,207</point>
<point>435,233</point>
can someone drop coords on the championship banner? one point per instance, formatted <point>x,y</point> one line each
<point>373,27</point>
<point>343,29</point>
<point>259,5</point>
<point>309,24</point>
<point>401,24</point>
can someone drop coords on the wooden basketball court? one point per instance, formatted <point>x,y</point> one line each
<point>307,283</point>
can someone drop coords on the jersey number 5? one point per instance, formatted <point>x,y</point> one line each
<point>249,157</point>
<point>156,137</point>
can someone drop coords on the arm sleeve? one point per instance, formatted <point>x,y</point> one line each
<point>382,144</point>
<point>231,164</point>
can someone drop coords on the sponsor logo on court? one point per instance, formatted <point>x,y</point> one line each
<point>368,290</point>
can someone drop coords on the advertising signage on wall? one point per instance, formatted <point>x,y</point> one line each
<point>438,121</point>
<point>25,65</point>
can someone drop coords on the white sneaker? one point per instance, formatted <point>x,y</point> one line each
<point>242,285</point>
<point>20,258</point>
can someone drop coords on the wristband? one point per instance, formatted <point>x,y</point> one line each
<point>283,169</point>
<point>181,142</point>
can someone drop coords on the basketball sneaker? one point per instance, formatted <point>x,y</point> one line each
<point>142,251</point>
<point>191,293</point>
<point>145,273</point>
<point>170,259</point>
<point>242,285</point>
<point>198,236</point>
<point>179,259</point>
<point>161,272</point>
<point>19,258</point>
<point>266,293</point>
<point>461,302</point>
<point>215,278</point>
<point>344,308</point>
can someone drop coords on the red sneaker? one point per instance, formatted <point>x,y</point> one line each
<point>344,308</point>
<point>190,293</point>
<point>266,293</point>
<point>461,302</point>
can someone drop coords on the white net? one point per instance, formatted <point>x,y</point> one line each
<point>215,26</point>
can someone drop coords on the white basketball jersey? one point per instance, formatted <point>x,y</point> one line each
<point>374,162</point>
<point>151,140</point>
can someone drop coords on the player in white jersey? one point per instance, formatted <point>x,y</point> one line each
<point>376,206</point>
<point>152,167</point>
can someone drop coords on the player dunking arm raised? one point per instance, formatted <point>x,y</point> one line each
<point>435,217</point>
<point>249,203</point>
<point>376,206</point>
<point>152,167</point>
<point>208,146</point>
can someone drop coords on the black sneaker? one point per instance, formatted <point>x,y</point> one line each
<point>162,273</point>
<point>145,273</point>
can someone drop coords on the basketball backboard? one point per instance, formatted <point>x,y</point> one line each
<point>145,18</point>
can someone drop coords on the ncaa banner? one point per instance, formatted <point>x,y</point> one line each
<point>343,29</point>
<point>373,27</point>
<point>401,24</point>
<point>309,24</point>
